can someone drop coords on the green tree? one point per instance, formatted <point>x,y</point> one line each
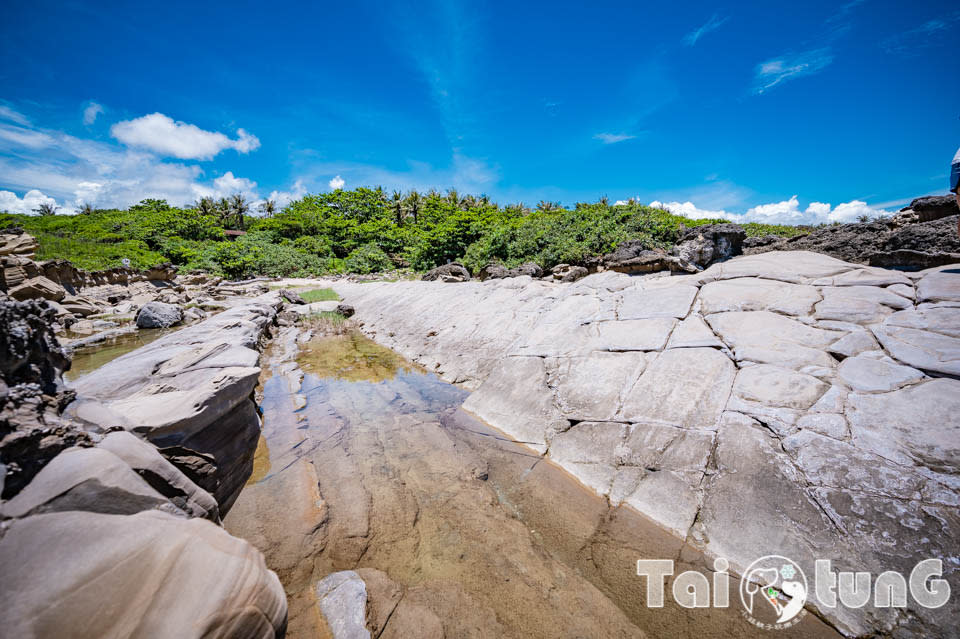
<point>46,209</point>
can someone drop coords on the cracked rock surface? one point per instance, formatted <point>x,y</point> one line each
<point>785,402</point>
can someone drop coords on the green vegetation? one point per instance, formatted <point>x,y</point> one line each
<point>358,231</point>
<point>319,295</point>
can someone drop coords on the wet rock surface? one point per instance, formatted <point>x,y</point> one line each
<point>733,395</point>
<point>373,491</point>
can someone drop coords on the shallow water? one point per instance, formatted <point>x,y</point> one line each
<point>378,467</point>
<point>90,358</point>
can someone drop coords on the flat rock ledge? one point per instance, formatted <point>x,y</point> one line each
<point>782,403</point>
<point>121,536</point>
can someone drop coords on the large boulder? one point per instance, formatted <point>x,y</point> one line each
<point>452,272</point>
<point>149,574</point>
<point>159,315</point>
<point>933,207</point>
<point>705,245</point>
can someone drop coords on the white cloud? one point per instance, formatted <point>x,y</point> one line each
<point>161,134</point>
<point>30,201</point>
<point>779,70</point>
<point>6,113</point>
<point>336,183</point>
<point>714,23</point>
<point>283,198</point>
<point>785,212</point>
<point>23,137</point>
<point>91,112</point>
<point>613,138</point>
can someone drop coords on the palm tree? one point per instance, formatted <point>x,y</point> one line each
<point>453,197</point>
<point>605,201</point>
<point>397,202</point>
<point>86,209</point>
<point>46,209</point>
<point>206,206</point>
<point>414,204</point>
<point>544,205</point>
<point>239,207</point>
<point>268,208</point>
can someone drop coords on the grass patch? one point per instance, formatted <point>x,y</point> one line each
<point>319,295</point>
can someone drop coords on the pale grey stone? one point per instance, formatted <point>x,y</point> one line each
<point>943,320</point>
<point>867,276</point>
<point>684,387</point>
<point>590,388</point>
<point>869,374</point>
<point>921,349</point>
<point>342,597</point>
<point>769,338</point>
<point>940,286</point>
<point>516,399</point>
<point>778,387</point>
<point>587,451</point>
<point>668,498</point>
<point>669,301</point>
<point>829,424</point>
<point>798,267</point>
<point>753,294</point>
<point>854,343</point>
<point>633,335</point>
<point>858,304</point>
<point>914,426</point>
<point>693,332</point>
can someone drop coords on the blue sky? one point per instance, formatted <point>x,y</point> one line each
<point>808,112</point>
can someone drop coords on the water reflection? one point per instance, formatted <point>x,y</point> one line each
<point>93,357</point>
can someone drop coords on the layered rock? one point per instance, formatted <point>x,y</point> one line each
<point>112,508</point>
<point>785,403</point>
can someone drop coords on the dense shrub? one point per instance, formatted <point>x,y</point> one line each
<point>361,231</point>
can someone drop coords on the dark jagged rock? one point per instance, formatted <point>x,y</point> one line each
<point>705,245</point>
<point>878,243</point>
<point>31,393</point>
<point>291,296</point>
<point>568,273</point>
<point>933,207</point>
<point>633,256</point>
<point>452,272</point>
<point>494,271</point>
<point>346,310</point>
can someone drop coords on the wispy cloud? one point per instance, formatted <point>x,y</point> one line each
<point>6,113</point>
<point>931,33</point>
<point>91,112</point>
<point>845,10</point>
<point>613,138</point>
<point>714,23</point>
<point>789,67</point>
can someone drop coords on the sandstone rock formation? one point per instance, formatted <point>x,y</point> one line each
<point>111,508</point>
<point>787,403</point>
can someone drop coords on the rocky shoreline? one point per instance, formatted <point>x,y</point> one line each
<point>814,400</point>
<point>119,484</point>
